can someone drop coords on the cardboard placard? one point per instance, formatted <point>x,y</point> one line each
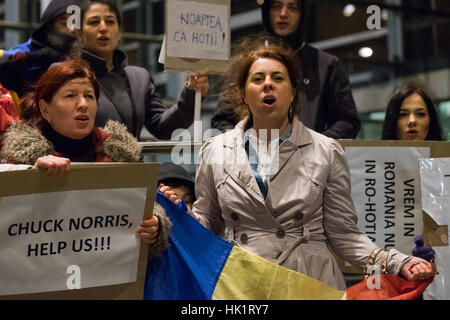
<point>197,35</point>
<point>437,149</point>
<point>88,181</point>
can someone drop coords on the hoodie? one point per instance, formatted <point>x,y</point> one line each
<point>297,39</point>
<point>53,10</point>
<point>26,62</point>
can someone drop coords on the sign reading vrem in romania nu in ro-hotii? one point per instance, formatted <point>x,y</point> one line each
<point>386,193</point>
<point>198,34</point>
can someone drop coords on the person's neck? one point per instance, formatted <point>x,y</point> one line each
<point>269,126</point>
<point>74,149</point>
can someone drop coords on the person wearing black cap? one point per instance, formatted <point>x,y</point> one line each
<point>326,101</point>
<point>178,180</point>
<point>51,42</point>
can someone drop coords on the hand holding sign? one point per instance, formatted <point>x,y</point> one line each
<point>55,165</point>
<point>199,82</point>
<point>148,230</point>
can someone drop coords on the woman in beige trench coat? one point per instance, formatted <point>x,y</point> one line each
<point>283,194</point>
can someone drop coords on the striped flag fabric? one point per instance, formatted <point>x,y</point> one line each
<point>198,265</point>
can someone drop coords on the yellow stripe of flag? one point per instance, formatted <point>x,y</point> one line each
<point>247,276</point>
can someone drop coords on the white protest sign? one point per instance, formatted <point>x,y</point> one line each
<point>435,185</point>
<point>46,238</point>
<point>386,193</point>
<point>198,36</point>
<point>197,30</point>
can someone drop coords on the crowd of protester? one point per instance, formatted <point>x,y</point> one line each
<point>80,101</point>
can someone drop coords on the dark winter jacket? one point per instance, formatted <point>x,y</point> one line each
<point>127,95</point>
<point>23,64</point>
<point>325,98</point>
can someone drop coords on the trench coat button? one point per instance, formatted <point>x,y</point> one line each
<point>299,216</point>
<point>280,234</point>
<point>234,216</point>
<point>244,238</point>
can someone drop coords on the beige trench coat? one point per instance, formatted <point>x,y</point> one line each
<point>308,205</point>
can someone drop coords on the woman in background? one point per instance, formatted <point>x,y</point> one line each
<point>127,93</point>
<point>411,115</point>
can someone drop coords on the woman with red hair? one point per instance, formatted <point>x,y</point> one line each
<point>57,127</point>
<point>58,124</point>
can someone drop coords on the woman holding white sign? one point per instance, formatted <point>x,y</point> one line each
<point>127,93</point>
<point>58,123</point>
<point>289,205</point>
<point>57,127</point>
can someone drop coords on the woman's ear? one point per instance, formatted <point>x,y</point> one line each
<point>44,107</point>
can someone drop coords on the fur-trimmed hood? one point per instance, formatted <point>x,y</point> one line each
<point>25,143</point>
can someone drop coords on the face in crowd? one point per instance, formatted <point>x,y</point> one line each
<point>268,93</point>
<point>284,16</point>
<point>60,23</point>
<point>413,120</point>
<point>100,32</point>
<point>72,109</point>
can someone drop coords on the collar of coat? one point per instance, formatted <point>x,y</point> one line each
<point>300,135</point>
<point>99,64</point>
<point>24,143</point>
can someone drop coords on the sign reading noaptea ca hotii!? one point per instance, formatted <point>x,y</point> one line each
<point>198,30</point>
<point>386,193</point>
<point>43,234</point>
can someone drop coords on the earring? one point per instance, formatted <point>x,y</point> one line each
<point>290,113</point>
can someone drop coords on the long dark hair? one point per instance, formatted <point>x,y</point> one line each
<point>393,110</point>
<point>49,83</point>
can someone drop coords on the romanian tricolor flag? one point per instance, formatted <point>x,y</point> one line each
<point>198,265</point>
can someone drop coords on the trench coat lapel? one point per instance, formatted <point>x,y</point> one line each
<point>299,138</point>
<point>240,171</point>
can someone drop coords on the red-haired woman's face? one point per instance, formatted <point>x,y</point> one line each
<point>72,110</point>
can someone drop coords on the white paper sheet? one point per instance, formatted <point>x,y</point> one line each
<point>41,235</point>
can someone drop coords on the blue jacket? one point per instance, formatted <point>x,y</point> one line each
<point>23,64</point>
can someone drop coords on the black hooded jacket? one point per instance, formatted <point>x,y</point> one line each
<point>325,97</point>
<point>24,64</point>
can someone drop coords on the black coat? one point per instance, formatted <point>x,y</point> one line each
<point>127,95</point>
